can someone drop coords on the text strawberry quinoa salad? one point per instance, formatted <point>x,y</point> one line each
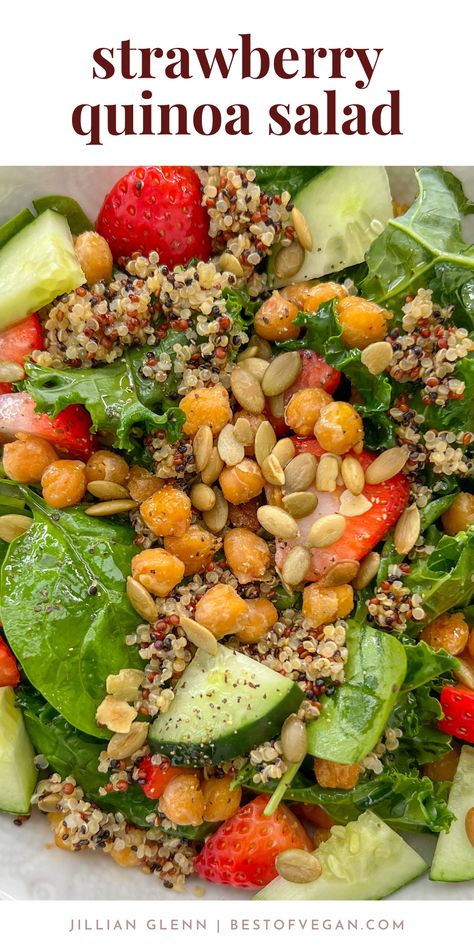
<point>237,527</point>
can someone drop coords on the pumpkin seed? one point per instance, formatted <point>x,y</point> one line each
<point>300,504</point>
<point>464,673</point>
<point>299,866</point>
<point>274,495</point>
<point>368,568</point>
<point>213,468</point>
<point>377,357</point>
<point>302,229</point>
<point>263,347</point>
<point>296,565</point>
<point>285,451</point>
<point>249,353</point>
<point>115,714</point>
<point>353,475</point>
<point>281,373</point>
<point>273,471</point>
<point>265,441</point>
<point>343,572</point>
<point>288,260</point>
<point>469,825</point>
<point>300,473</point>
<point>202,497</point>
<point>231,264</point>
<point>294,739</point>
<point>110,507</point>
<point>126,684</point>
<point>216,518</point>
<point>141,600</point>
<point>202,447</point>
<point>247,390</point>
<point>13,526</point>
<point>198,635</point>
<point>387,464</point>
<point>326,530</point>
<point>107,490</point>
<point>276,405</point>
<point>353,505</point>
<point>11,371</point>
<point>243,431</point>
<point>277,522</point>
<point>124,745</point>
<point>327,473</point>
<point>407,530</point>
<point>49,803</point>
<point>256,366</point>
<point>230,450</point>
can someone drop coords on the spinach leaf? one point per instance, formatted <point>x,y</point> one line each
<point>273,179</point>
<point>407,254</point>
<point>119,399</point>
<point>69,208</point>
<point>424,665</point>
<point>14,225</point>
<point>454,286</point>
<point>64,607</point>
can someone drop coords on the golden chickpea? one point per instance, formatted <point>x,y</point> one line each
<point>157,570</point>
<point>182,800</point>
<point>254,421</point>
<point>64,483</point>
<point>126,858</point>
<point>362,322</point>
<point>304,409</point>
<point>460,515</point>
<point>444,768</point>
<point>141,484</point>
<point>107,466</point>
<point>242,482</point>
<point>449,631</point>
<point>206,406</point>
<point>167,512</point>
<point>195,548</point>
<point>247,555</point>
<point>337,776</point>
<point>26,459</point>
<point>261,616</point>
<point>309,296</point>
<point>470,644</point>
<point>323,604</point>
<point>220,802</point>
<point>339,428</point>
<point>222,611</point>
<point>95,257</point>
<point>275,319</point>
<point>60,829</point>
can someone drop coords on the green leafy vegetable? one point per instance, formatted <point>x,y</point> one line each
<point>457,414</point>
<point>240,307</point>
<point>64,607</point>
<point>444,578</point>
<point>69,208</point>
<point>417,714</point>
<point>274,179</point>
<point>425,665</point>
<point>454,286</point>
<point>14,225</point>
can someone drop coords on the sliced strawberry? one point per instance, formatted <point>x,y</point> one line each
<point>457,702</point>
<point>9,674</point>
<point>21,340</point>
<point>158,776</point>
<point>243,850</point>
<point>6,388</point>
<point>362,533</point>
<point>69,431</point>
<point>315,373</point>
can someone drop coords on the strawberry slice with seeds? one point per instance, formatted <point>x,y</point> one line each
<point>21,340</point>
<point>69,431</point>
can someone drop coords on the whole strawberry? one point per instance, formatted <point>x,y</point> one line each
<point>156,208</point>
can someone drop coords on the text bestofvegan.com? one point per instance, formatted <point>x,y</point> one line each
<point>224,924</point>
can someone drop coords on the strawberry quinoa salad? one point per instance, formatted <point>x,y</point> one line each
<point>237,527</point>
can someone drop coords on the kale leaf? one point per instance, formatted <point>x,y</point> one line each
<point>425,665</point>
<point>273,179</point>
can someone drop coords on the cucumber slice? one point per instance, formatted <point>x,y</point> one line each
<point>346,209</point>
<point>37,265</point>
<point>17,769</point>
<point>224,705</point>
<point>354,718</point>
<point>454,855</point>
<point>363,860</point>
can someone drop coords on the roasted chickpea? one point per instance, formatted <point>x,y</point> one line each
<point>247,554</point>
<point>107,466</point>
<point>362,322</point>
<point>167,512</point>
<point>60,830</point>
<point>206,406</point>
<point>26,459</point>
<point>222,611</point>
<point>338,776</point>
<point>195,548</point>
<point>339,428</point>
<point>261,616</point>
<point>309,296</point>
<point>444,768</point>
<point>220,802</point>
<point>460,515</point>
<point>470,644</point>
<point>323,604</point>
<point>304,409</point>
<point>254,421</point>
<point>95,257</point>
<point>126,858</point>
<point>275,320</point>
<point>449,631</point>
<point>242,482</point>
<point>64,483</point>
<point>182,801</point>
<point>141,484</point>
<point>157,570</point>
